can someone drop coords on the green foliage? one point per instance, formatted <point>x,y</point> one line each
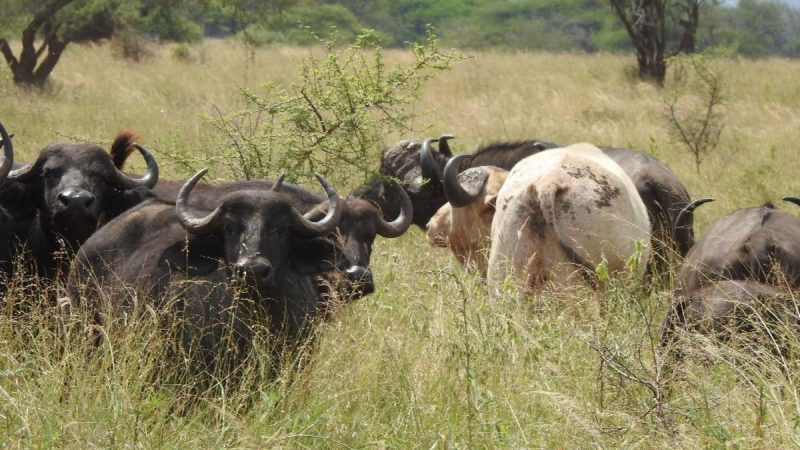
<point>166,21</point>
<point>766,29</point>
<point>536,24</point>
<point>321,20</point>
<point>334,119</point>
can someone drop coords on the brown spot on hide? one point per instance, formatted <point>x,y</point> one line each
<point>576,172</point>
<point>566,204</point>
<point>606,193</point>
<point>604,190</point>
<point>536,223</point>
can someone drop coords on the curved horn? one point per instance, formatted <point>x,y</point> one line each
<point>685,218</point>
<point>400,224</point>
<point>795,200</point>
<point>327,223</point>
<point>455,193</point>
<point>278,183</point>
<point>197,225</point>
<point>444,147</point>
<point>150,177</point>
<point>8,153</point>
<point>22,174</point>
<point>427,163</point>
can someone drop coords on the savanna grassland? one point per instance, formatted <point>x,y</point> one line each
<point>429,360</point>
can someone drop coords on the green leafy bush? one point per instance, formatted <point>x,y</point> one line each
<point>321,19</point>
<point>334,118</point>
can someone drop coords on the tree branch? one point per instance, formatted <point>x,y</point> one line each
<point>29,54</point>
<point>5,49</point>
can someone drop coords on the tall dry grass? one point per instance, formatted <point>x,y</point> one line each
<point>429,360</point>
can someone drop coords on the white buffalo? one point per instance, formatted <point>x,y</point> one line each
<point>562,212</point>
<point>552,219</point>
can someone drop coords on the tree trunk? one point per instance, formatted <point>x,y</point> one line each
<point>24,68</point>
<point>653,68</point>
<point>646,24</point>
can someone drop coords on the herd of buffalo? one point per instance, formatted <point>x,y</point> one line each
<point>235,256</point>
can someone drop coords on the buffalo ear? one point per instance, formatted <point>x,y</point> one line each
<point>21,199</point>
<point>490,201</point>
<point>195,256</point>
<point>316,255</point>
<point>444,146</point>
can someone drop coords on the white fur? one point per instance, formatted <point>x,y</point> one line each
<point>599,214</point>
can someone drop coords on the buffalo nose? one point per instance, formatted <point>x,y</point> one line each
<point>259,268</point>
<point>362,278</point>
<point>76,199</point>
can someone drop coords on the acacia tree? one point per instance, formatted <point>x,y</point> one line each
<point>55,23</point>
<point>659,30</point>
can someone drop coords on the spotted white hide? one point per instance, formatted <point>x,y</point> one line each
<point>467,230</point>
<point>559,214</point>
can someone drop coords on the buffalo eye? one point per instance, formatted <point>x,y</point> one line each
<point>50,174</point>
<point>99,180</point>
<point>230,228</point>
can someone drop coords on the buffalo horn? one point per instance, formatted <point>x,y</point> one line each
<point>150,177</point>
<point>400,224</point>
<point>8,153</point>
<point>197,225</point>
<point>22,174</point>
<point>685,218</point>
<point>278,183</point>
<point>795,200</point>
<point>455,193</point>
<point>325,225</point>
<point>427,163</point>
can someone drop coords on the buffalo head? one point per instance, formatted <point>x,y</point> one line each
<point>464,224</point>
<point>77,187</point>
<point>362,221</point>
<point>418,167</point>
<point>262,236</point>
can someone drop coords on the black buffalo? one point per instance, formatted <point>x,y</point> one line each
<point>74,189</point>
<point>16,212</point>
<point>736,278</point>
<point>421,169</point>
<point>760,244</point>
<point>361,220</point>
<point>739,310</point>
<point>251,261</point>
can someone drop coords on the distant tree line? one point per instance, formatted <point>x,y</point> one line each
<point>753,28</point>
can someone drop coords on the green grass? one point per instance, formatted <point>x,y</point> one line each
<point>429,360</point>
